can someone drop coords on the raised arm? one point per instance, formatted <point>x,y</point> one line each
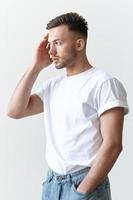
<point>22,102</point>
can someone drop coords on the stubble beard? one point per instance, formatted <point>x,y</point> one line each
<point>67,62</point>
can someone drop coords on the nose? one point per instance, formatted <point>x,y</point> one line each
<point>52,50</point>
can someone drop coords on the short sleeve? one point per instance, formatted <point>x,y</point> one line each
<point>40,91</point>
<point>111,94</point>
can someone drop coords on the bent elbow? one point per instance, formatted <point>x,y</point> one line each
<point>117,149</point>
<point>120,148</point>
<point>13,114</point>
<point>114,149</point>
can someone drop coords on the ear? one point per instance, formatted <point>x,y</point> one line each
<point>80,44</point>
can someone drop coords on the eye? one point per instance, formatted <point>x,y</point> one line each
<point>58,43</point>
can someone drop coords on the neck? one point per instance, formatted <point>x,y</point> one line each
<point>79,66</point>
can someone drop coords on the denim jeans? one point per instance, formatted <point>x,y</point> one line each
<point>63,187</point>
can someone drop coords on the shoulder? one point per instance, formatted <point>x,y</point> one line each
<point>108,83</point>
<point>103,79</point>
<point>100,76</point>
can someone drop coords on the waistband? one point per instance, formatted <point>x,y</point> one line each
<point>59,177</point>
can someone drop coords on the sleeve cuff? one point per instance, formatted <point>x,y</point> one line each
<point>113,104</point>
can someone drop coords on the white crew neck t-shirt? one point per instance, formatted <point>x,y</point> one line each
<point>72,109</point>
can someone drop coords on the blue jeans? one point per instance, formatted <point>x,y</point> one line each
<point>63,187</point>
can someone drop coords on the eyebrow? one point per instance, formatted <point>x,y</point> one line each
<point>55,40</point>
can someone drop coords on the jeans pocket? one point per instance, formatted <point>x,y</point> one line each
<point>76,195</point>
<point>47,180</point>
<point>104,189</point>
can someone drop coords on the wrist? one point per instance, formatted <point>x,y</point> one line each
<point>35,68</point>
<point>84,189</point>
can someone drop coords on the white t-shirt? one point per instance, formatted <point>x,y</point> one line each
<point>72,109</point>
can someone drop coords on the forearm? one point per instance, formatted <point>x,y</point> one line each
<point>20,98</point>
<point>104,161</point>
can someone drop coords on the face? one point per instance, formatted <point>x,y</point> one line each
<point>62,48</point>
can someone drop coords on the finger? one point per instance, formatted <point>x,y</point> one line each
<point>46,36</point>
<point>44,45</point>
<point>44,42</point>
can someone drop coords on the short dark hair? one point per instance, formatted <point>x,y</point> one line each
<point>73,20</point>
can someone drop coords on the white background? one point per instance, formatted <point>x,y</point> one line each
<point>110,47</point>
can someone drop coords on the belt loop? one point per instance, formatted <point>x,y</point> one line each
<point>50,175</point>
<point>70,178</point>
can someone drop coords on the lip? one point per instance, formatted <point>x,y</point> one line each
<point>55,58</point>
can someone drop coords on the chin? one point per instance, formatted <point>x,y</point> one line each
<point>59,66</point>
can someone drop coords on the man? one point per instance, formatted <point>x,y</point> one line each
<point>83,112</point>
